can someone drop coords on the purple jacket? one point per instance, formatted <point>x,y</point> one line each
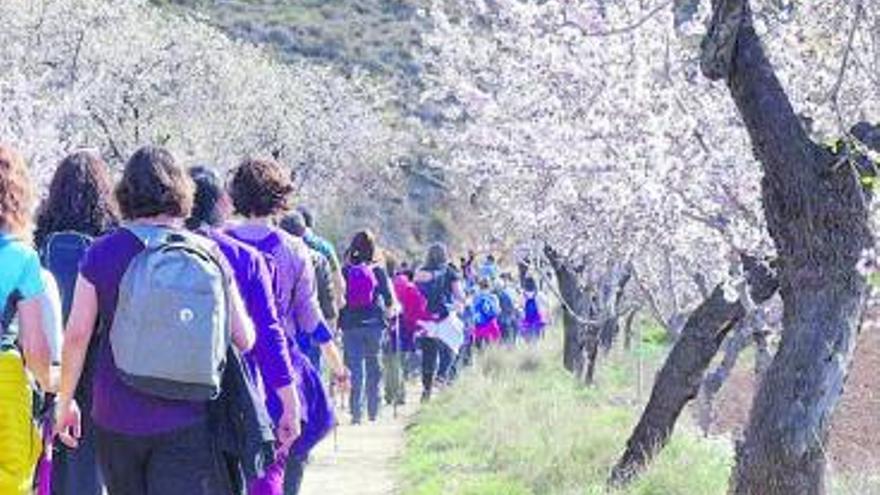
<point>299,309</point>
<point>269,355</point>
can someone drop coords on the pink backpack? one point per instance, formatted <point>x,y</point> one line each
<point>360,286</point>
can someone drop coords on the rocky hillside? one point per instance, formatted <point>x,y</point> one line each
<point>381,37</point>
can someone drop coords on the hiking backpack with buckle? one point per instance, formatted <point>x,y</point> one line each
<point>171,329</point>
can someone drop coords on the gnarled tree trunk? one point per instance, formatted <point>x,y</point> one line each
<point>575,306</point>
<point>679,380</point>
<point>817,215</point>
<point>611,301</point>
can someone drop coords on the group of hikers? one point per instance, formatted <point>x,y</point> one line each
<point>169,334</point>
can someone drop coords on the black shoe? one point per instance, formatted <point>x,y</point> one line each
<point>426,396</point>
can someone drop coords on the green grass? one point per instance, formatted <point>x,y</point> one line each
<point>516,423</point>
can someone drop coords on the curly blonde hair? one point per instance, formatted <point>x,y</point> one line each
<point>16,192</point>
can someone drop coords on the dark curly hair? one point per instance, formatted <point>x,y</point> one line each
<point>260,188</point>
<point>154,184</point>
<point>16,192</point>
<point>80,198</point>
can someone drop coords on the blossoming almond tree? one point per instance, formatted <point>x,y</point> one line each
<point>587,126</point>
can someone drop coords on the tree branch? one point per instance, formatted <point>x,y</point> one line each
<point>622,29</point>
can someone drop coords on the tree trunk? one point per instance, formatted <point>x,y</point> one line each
<point>610,326</point>
<point>590,353</point>
<point>575,306</point>
<point>713,381</point>
<point>679,380</point>
<point>817,215</point>
<point>763,356</point>
<point>627,329</point>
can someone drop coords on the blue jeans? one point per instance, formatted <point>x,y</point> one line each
<point>363,349</point>
<point>446,371</point>
<point>293,475</point>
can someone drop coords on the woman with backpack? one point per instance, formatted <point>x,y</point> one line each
<point>80,206</point>
<point>486,311</point>
<point>534,319</point>
<point>158,362</point>
<point>24,348</point>
<point>261,192</point>
<point>442,287</point>
<point>363,319</point>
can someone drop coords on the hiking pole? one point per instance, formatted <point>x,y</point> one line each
<point>396,397</point>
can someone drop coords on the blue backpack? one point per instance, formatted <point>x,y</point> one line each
<point>485,310</point>
<point>61,256</point>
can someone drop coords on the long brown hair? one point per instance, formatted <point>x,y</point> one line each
<point>80,198</point>
<point>154,184</point>
<point>16,192</point>
<point>362,248</point>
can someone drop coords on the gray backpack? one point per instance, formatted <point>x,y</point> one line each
<point>171,329</point>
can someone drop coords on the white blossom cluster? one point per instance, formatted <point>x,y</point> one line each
<point>117,74</point>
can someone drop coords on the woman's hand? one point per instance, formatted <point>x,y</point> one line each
<point>68,422</point>
<point>342,379</point>
<point>290,424</point>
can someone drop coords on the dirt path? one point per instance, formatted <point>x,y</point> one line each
<point>363,459</point>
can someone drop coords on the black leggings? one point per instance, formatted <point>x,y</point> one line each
<point>433,350</point>
<point>180,462</point>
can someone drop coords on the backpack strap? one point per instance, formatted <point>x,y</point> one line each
<point>10,304</point>
<point>10,307</point>
<point>149,235</point>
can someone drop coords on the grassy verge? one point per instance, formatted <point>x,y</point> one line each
<point>517,424</point>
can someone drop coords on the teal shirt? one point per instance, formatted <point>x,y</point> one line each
<point>19,279</point>
<point>323,246</point>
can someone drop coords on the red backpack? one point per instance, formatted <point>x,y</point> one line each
<point>360,286</point>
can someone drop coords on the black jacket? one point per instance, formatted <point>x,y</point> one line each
<point>242,429</point>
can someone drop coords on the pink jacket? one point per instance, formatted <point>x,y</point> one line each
<point>413,303</point>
